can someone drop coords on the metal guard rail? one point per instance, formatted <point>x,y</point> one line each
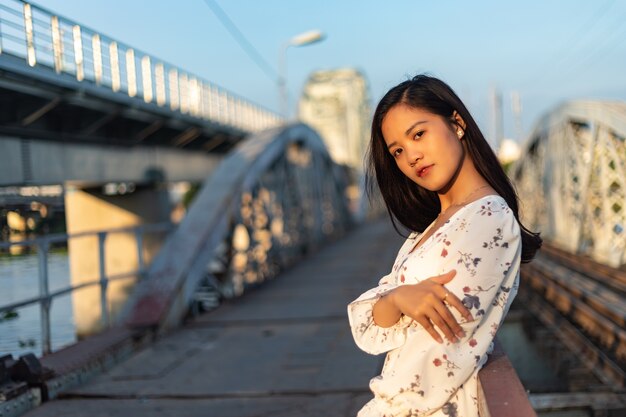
<point>45,298</point>
<point>42,38</point>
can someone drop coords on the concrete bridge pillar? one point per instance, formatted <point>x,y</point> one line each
<point>91,210</point>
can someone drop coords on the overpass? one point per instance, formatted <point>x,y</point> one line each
<point>78,106</point>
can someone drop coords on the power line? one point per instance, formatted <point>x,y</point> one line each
<point>570,44</point>
<point>614,38</point>
<point>586,31</point>
<point>241,40</point>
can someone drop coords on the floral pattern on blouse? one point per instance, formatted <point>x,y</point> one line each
<point>421,377</point>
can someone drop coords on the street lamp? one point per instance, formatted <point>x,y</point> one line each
<point>303,39</point>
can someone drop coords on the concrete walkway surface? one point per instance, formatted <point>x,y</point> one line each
<point>283,349</point>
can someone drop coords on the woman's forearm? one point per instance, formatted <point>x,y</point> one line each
<point>385,312</point>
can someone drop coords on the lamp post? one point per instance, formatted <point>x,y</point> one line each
<point>303,39</point>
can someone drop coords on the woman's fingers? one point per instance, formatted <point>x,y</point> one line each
<point>455,302</point>
<point>449,319</point>
<point>433,310</point>
<point>423,320</point>
<point>436,318</point>
<point>451,299</point>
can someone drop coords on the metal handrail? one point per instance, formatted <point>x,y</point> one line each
<point>45,298</point>
<point>70,48</point>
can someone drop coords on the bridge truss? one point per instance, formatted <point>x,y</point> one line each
<point>572,179</point>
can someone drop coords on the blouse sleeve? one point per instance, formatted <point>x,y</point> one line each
<point>368,336</point>
<point>485,250</point>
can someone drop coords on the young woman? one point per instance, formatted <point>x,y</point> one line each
<point>458,271</point>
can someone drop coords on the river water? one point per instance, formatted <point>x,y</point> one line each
<point>19,279</point>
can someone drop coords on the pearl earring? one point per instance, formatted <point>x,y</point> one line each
<point>459,133</point>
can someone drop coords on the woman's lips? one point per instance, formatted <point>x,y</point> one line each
<point>424,171</point>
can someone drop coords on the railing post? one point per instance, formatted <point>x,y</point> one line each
<point>174,93</point>
<point>183,88</point>
<point>131,74</point>
<point>159,80</point>
<point>104,282</point>
<point>202,100</point>
<point>97,57</point>
<point>44,293</point>
<point>146,78</point>
<point>78,52</point>
<point>57,44</point>
<point>30,37</point>
<point>116,81</point>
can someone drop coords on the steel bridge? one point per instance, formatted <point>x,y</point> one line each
<point>267,236</point>
<point>571,178</point>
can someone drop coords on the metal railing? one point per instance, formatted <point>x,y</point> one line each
<point>45,298</point>
<point>44,39</point>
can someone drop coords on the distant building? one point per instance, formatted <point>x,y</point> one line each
<point>336,103</point>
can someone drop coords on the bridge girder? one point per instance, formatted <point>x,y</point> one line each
<point>37,103</point>
<point>38,162</point>
<point>572,179</point>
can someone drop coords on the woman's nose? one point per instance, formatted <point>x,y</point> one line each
<point>413,155</point>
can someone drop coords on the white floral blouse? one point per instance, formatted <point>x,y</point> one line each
<point>421,377</point>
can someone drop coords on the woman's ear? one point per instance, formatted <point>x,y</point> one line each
<point>458,120</point>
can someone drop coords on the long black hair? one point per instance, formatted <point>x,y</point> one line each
<point>400,193</point>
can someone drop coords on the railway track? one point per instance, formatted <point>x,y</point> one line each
<point>583,303</point>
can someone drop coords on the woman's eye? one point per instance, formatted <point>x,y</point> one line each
<point>397,152</point>
<point>419,134</point>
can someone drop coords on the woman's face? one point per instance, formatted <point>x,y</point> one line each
<point>424,145</point>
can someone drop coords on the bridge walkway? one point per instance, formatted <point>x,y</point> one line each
<point>284,349</point>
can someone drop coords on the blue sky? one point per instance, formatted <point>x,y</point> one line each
<point>548,51</point>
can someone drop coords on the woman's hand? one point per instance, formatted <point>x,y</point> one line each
<point>425,303</point>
